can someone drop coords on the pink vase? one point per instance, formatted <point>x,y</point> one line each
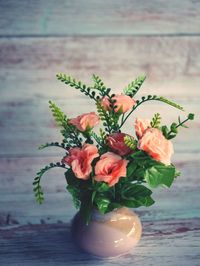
<point>108,235</point>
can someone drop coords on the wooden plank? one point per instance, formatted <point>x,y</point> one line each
<point>168,243</point>
<point>28,66</point>
<point>21,209</point>
<point>16,174</point>
<point>90,17</point>
<point>170,227</point>
<point>18,205</point>
<point>27,124</point>
<point>28,70</point>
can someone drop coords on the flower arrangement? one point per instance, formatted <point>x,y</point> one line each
<point>113,169</point>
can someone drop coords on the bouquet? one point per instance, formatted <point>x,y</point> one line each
<point>111,169</point>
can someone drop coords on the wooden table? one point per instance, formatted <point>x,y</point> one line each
<point>117,40</point>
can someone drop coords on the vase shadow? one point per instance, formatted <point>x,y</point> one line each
<point>44,243</point>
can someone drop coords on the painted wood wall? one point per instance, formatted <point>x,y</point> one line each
<point>117,40</point>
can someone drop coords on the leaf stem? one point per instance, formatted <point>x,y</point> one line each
<point>180,124</point>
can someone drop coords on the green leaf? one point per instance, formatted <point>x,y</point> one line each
<point>130,142</point>
<point>131,169</point>
<point>135,191</point>
<point>39,195</point>
<point>165,131</point>
<point>59,116</point>
<point>174,128</point>
<point>156,120</point>
<point>160,175</point>
<point>99,85</point>
<point>169,102</point>
<point>52,144</point>
<point>69,132</point>
<point>101,187</point>
<point>113,205</point>
<point>139,156</point>
<point>77,85</point>
<point>75,192</point>
<point>135,203</point>
<point>134,86</point>
<point>147,201</point>
<point>136,195</point>
<point>102,203</point>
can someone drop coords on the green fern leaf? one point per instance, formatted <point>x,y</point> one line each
<point>104,116</point>
<point>99,85</point>
<point>39,195</point>
<point>52,144</point>
<point>130,142</point>
<point>163,99</point>
<point>69,132</point>
<point>59,116</point>
<point>78,85</point>
<point>155,122</point>
<point>134,86</point>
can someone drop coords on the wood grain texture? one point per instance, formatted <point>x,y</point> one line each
<point>32,234</point>
<point>42,129</point>
<point>111,17</point>
<point>28,66</point>
<point>19,207</point>
<point>53,245</point>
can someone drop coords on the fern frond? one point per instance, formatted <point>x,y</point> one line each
<point>104,116</point>
<point>155,122</point>
<point>151,98</point>
<point>78,85</point>
<point>102,134</point>
<point>134,86</point>
<point>164,100</point>
<point>39,195</point>
<point>99,85</point>
<point>97,138</point>
<point>53,144</point>
<point>130,142</point>
<point>59,116</point>
<point>69,132</point>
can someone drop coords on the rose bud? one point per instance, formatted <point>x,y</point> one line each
<point>123,103</point>
<point>140,126</point>
<point>85,122</point>
<point>116,143</point>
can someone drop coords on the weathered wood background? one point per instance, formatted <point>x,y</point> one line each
<point>117,40</point>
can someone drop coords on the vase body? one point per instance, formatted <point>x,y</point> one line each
<point>108,235</point>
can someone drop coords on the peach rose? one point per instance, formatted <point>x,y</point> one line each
<point>156,145</point>
<point>116,142</point>
<point>110,168</point>
<point>123,103</point>
<point>140,126</point>
<point>85,121</point>
<point>80,160</point>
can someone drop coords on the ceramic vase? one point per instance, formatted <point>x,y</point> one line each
<point>107,235</point>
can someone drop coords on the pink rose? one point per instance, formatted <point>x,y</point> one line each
<point>80,160</point>
<point>140,126</point>
<point>156,145</point>
<point>116,142</point>
<point>85,121</point>
<point>110,168</point>
<point>123,103</point>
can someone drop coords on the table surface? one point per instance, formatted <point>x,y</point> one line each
<point>117,41</point>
